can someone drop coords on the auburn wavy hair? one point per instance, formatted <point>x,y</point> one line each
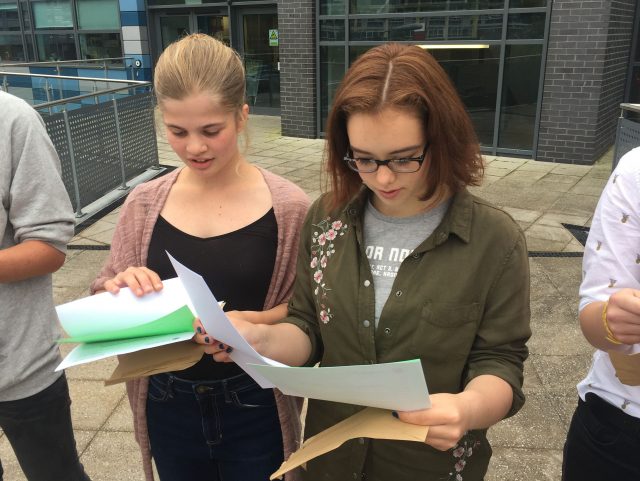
<point>406,77</point>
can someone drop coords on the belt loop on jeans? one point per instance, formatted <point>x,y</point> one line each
<point>225,390</point>
<point>170,392</point>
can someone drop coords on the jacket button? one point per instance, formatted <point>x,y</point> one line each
<point>387,330</point>
<point>366,323</point>
<point>415,255</point>
<point>367,283</point>
<point>398,293</point>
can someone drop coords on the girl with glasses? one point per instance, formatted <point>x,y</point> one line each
<point>400,261</point>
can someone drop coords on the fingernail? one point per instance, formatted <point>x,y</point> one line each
<point>229,350</point>
<point>199,329</point>
<point>221,346</point>
<point>206,339</point>
<point>394,414</point>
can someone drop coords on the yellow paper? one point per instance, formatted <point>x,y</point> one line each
<point>627,367</point>
<point>369,423</point>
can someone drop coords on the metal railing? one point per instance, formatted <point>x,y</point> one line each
<point>628,132</point>
<point>104,64</point>
<point>105,138</point>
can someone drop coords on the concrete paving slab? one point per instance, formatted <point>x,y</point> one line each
<point>113,456</point>
<point>524,464</point>
<point>561,374</point>
<point>93,403</point>
<point>121,419</point>
<point>536,426</point>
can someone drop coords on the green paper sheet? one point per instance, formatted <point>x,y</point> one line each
<point>178,321</point>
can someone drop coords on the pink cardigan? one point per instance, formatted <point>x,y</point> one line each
<point>130,247</point>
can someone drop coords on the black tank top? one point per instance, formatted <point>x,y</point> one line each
<point>236,266</point>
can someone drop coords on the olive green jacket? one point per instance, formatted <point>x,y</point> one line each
<point>459,303</point>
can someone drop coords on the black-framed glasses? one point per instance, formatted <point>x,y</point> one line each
<point>399,166</point>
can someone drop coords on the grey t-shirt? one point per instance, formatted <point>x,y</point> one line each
<point>389,240</point>
<point>34,206</point>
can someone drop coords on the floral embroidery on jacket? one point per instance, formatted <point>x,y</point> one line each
<point>461,453</point>
<point>322,248</point>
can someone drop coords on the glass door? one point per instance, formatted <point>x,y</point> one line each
<point>172,28</point>
<point>258,44</point>
<point>173,25</point>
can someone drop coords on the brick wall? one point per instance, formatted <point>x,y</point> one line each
<point>296,24</point>
<point>587,59</point>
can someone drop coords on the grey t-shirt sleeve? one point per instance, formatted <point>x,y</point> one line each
<point>39,206</point>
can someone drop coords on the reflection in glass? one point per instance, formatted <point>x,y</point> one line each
<point>634,87</point>
<point>475,75</point>
<point>26,18</point>
<point>52,14</point>
<point>11,48</point>
<point>217,26</point>
<point>31,55</point>
<point>53,47</point>
<point>526,25</point>
<point>527,3</point>
<point>331,30</point>
<point>100,45</point>
<point>9,20</point>
<point>173,28</point>
<point>459,27</point>
<point>408,6</point>
<point>519,96</point>
<point>355,51</point>
<point>332,70</point>
<point>98,14</point>
<point>332,7</point>
<point>261,60</point>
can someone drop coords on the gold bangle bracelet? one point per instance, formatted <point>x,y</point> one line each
<point>609,337</point>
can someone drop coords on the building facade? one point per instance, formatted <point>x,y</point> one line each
<point>540,78</point>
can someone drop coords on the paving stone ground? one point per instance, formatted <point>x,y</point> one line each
<point>540,197</point>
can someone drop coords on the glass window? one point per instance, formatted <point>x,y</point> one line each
<point>408,6</point>
<point>467,27</point>
<point>519,96</point>
<point>331,30</point>
<point>217,26</point>
<point>332,70</point>
<point>474,72</point>
<point>31,56</point>
<point>52,14</point>
<point>357,50</point>
<point>332,7</point>
<point>634,88</point>
<point>98,14</point>
<point>11,48</point>
<point>526,25</point>
<point>9,20</point>
<point>100,45</point>
<point>527,3</point>
<point>53,47</point>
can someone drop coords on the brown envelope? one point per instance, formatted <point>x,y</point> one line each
<point>627,367</point>
<point>369,423</point>
<point>171,357</point>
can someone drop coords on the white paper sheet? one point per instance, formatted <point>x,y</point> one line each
<point>218,325</point>
<point>397,386</point>
<point>95,351</point>
<point>106,311</point>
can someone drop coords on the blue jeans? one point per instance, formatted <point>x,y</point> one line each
<point>226,430</point>
<point>39,430</point>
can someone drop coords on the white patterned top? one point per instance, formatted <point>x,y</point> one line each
<point>612,262</point>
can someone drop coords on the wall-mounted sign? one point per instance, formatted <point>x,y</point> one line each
<point>273,38</point>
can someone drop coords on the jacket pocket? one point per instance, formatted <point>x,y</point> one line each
<point>446,330</point>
